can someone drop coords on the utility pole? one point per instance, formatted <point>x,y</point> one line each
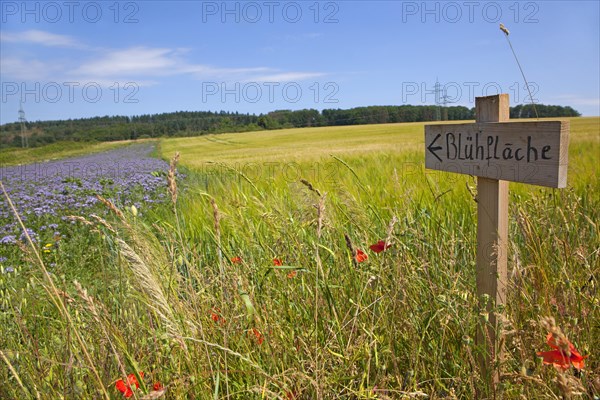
<point>22,121</point>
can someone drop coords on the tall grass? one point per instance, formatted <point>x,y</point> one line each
<point>190,293</point>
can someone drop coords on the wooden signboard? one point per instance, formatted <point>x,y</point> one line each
<point>528,152</point>
<point>497,151</point>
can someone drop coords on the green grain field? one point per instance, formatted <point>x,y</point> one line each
<point>247,284</point>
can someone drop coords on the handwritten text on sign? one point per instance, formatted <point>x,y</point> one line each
<point>528,152</point>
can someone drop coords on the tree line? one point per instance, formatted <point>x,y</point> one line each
<point>194,123</point>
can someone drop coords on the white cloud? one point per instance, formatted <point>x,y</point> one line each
<point>40,37</point>
<point>134,61</point>
<point>25,70</point>
<point>145,61</point>
<point>140,64</point>
<point>288,76</point>
<point>205,71</point>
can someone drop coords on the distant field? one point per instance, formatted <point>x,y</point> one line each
<point>305,144</point>
<point>401,143</point>
<point>15,156</point>
<point>298,144</point>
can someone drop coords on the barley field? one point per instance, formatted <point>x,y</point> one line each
<point>315,263</point>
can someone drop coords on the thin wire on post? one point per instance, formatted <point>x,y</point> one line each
<point>506,33</point>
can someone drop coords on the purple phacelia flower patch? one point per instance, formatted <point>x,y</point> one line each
<point>44,193</point>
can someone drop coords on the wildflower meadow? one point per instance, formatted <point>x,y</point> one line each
<point>316,263</point>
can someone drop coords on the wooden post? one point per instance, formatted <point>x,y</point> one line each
<point>497,151</point>
<point>492,239</point>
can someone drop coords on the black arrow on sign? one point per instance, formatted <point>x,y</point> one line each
<point>436,148</point>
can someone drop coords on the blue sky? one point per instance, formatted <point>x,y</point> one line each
<point>82,59</point>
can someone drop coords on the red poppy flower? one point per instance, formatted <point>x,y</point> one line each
<point>361,256</point>
<point>380,246</point>
<point>126,388</point>
<point>157,386</point>
<point>258,336</point>
<point>236,260</point>
<point>277,262</point>
<point>292,274</point>
<point>560,357</point>
<point>215,315</point>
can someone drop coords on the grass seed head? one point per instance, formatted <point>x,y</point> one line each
<point>172,183</point>
<point>111,206</point>
<point>350,245</point>
<point>310,187</point>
